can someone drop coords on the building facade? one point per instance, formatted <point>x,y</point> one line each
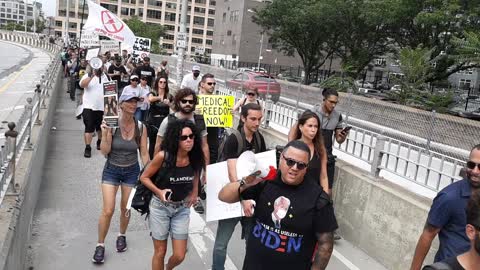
<point>200,19</point>
<point>16,11</point>
<point>238,38</point>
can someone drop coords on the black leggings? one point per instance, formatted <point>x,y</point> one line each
<point>153,124</point>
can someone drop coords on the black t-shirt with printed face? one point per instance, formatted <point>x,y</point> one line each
<point>285,223</point>
<point>179,180</point>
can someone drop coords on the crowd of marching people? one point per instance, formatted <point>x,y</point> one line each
<point>162,142</point>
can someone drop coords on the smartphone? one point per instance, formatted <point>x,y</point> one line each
<point>346,129</point>
<point>168,195</point>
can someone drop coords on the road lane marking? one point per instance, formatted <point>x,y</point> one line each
<point>14,78</point>
<point>198,232</point>
<point>345,261</point>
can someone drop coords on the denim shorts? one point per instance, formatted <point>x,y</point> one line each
<point>168,218</point>
<point>117,175</point>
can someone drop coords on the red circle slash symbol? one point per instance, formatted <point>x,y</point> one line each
<point>112,24</point>
<point>143,55</point>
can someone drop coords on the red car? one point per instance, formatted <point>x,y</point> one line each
<point>261,81</point>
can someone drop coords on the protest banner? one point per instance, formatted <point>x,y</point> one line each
<point>141,48</point>
<point>217,110</point>
<point>111,46</point>
<point>89,39</point>
<point>110,103</point>
<point>217,178</point>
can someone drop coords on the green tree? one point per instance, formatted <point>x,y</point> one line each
<point>299,26</point>
<point>147,30</point>
<point>40,25</point>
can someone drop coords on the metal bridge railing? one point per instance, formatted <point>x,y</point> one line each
<point>18,137</point>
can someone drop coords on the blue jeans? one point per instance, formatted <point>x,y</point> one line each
<point>139,114</point>
<point>225,229</point>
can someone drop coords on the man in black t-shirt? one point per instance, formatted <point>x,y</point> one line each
<point>308,219</point>
<point>252,141</point>
<point>146,70</point>
<point>470,259</point>
<point>116,72</point>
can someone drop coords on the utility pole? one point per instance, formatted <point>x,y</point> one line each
<point>260,53</point>
<point>25,17</point>
<point>35,16</point>
<point>67,27</point>
<point>182,40</point>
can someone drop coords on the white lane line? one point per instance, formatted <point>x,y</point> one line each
<point>345,261</point>
<point>18,107</point>
<point>198,232</point>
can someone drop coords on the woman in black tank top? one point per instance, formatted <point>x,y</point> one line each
<point>308,130</point>
<point>175,190</point>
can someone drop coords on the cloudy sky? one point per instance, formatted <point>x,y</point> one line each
<point>48,6</point>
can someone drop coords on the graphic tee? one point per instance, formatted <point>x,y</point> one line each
<point>285,223</point>
<point>179,180</point>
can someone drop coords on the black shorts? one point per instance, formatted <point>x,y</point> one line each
<point>330,173</point>
<point>92,120</point>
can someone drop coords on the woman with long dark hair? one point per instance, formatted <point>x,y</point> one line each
<point>160,100</point>
<point>308,131</point>
<point>179,165</point>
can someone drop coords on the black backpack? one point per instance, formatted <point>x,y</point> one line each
<point>199,121</point>
<point>438,266</point>
<point>143,195</point>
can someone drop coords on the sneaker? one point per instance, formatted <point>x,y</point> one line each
<point>121,243</point>
<point>198,207</point>
<point>98,144</point>
<point>336,236</point>
<point>99,255</point>
<point>88,151</point>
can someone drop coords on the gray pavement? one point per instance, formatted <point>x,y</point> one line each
<point>21,67</point>
<point>64,230</point>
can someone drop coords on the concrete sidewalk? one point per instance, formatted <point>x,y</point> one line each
<point>64,230</point>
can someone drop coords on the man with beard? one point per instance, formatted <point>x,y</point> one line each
<point>184,105</point>
<point>447,216</point>
<point>145,70</point>
<point>471,258</point>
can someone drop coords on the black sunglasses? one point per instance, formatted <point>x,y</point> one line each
<point>134,80</point>
<point>185,137</point>
<point>143,79</point>
<point>290,162</point>
<point>185,101</point>
<point>251,94</point>
<point>211,83</point>
<point>471,165</point>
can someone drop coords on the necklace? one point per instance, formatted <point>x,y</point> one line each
<point>126,131</point>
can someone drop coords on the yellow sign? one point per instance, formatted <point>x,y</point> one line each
<point>216,109</point>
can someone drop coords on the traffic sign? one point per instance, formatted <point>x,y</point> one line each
<point>181,36</point>
<point>181,44</point>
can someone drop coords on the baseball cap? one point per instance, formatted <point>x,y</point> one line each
<point>133,77</point>
<point>128,97</point>
<point>146,59</point>
<point>195,68</point>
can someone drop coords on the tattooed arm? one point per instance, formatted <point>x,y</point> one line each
<point>324,251</point>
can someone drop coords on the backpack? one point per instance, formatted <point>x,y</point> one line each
<point>240,142</point>
<point>140,200</point>
<point>199,121</point>
<point>162,72</point>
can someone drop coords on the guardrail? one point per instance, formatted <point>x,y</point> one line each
<point>18,137</point>
<point>378,152</point>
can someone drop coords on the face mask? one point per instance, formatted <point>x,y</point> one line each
<point>195,74</point>
<point>281,213</point>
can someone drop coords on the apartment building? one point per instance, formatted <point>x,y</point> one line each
<point>200,19</point>
<point>16,11</point>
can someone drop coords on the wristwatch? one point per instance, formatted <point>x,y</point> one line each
<point>242,181</point>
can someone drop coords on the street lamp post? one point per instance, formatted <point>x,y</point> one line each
<point>260,53</point>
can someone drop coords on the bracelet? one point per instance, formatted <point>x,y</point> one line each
<point>241,182</point>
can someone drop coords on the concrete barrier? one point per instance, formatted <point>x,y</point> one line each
<point>381,218</point>
<point>14,248</point>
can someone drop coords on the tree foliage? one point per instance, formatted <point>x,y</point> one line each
<point>147,30</point>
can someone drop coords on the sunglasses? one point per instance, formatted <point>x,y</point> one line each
<point>162,82</point>
<point>185,101</point>
<point>134,80</point>
<point>211,83</point>
<point>143,79</point>
<point>471,165</point>
<point>251,94</point>
<point>185,137</point>
<point>290,162</point>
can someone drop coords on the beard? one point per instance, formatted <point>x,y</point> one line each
<point>474,183</point>
<point>186,109</point>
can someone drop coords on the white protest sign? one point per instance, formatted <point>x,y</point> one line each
<point>217,178</point>
<point>89,39</point>
<point>141,48</point>
<point>111,46</point>
<point>92,52</point>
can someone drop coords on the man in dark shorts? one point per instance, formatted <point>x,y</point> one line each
<point>309,219</point>
<point>471,258</point>
<point>447,217</point>
<point>92,84</point>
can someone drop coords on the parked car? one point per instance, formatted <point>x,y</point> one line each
<point>475,115</point>
<point>262,81</point>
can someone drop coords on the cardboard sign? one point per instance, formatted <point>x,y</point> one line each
<point>141,48</point>
<point>216,109</point>
<point>110,103</point>
<point>217,178</point>
<point>111,46</point>
<point>91,53</point>
<point>89,39</point>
